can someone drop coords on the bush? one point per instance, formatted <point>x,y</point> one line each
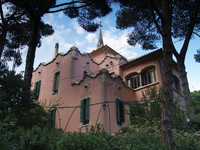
<point>32,139</point>
<point>186,141</point>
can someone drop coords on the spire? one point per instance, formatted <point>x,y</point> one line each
<point>56,50</point>
<point>100,39</point>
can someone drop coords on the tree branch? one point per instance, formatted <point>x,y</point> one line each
<point>196,34</point>
<point>1,11</point>
<point>154,7</point>
<point>156,22</point>
<point>69,3</point>
<point>188,36</point>
<point>55,11</point>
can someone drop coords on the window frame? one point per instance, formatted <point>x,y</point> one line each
<point>52,118</point>
<point>120,112</point>
<point>85,111</point>
<point>37,89</point>
<point>56,82</point>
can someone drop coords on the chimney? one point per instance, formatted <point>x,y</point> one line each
<point>56,50</point>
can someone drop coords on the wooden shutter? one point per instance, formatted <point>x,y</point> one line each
<point>118,111</point>
<point>52,118</point>
<point>56,81</point>
<point>122,112</point>
<point>38,88</point>
<point>82,111</point>
<point>87,117</point>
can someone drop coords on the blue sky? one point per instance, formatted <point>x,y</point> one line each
<point>68,33</point>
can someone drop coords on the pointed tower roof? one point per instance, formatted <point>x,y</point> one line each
<point>100,40</point>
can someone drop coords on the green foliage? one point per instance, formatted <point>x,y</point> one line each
<point>146,20</point>
<point>53,139</point>
<point>195,101</point>
<point>17,108</point>
<point>32,139</point>
<point>185,141</point>
<point>147,114</point>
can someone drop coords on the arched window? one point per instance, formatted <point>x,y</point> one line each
<point>148,75</point>
<point>133,80</point>
<point>176,84</point>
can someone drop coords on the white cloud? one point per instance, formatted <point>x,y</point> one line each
<point>91,37</point>
<point>76,26</point>
<point>78,43</point>
<point>118,41</point>
<point>89,49</point>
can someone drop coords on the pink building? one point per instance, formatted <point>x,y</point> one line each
<point>85,89</point>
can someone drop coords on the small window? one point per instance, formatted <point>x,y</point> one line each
<point>85,111</point>
<point>52,118</point>
<point>37,89</point>
<point>56,82</point>
<point>120,112</point>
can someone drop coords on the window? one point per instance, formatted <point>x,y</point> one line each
<point>85,111</point>
<point>147,76</point>
<point>176,84</point>
<point>56,82</point>
<point>52,118</point>
<point>37,89</point>
<point>85,73</point>
<point>120,111</point>
<point>136,81</point>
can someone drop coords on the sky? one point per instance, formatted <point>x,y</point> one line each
<point>68,33</point>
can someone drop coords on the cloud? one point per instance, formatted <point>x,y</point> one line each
<point>117,40</point>
<point>78,43</point>
<point>91,37</point>
<point>77,27</point>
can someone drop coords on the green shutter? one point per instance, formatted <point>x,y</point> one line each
<point>52,118</point>
<point>122,112</point>
<point>38,88</point>
<point>87,117</point>
<point>56,81</point>
<point>82,111</point>
<point>117,111</point>
<point>35,86</point>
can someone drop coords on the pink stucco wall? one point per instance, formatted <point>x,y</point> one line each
<point>104,82</point>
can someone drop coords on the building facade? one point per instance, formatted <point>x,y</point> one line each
<point>85,89</point>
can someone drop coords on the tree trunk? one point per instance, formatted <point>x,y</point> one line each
<point>166,116</point>
<point>185,89</point>
<point>35,26</point>
<point>3,40</point>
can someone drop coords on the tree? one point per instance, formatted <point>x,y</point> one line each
<point>84,10</point>
<point>152,21</point>
<point>12,17</point>
<point>197,56</point>
<point>17,109</point>
<point>15,32</point>
<point>195,100</point>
